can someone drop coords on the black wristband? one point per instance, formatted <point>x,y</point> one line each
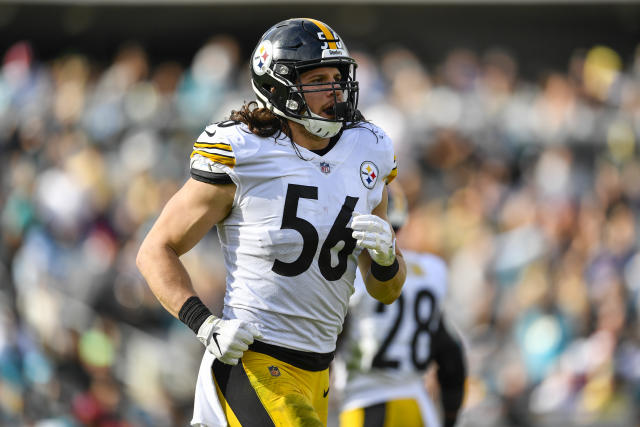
<point>193,313</point>
<point>384,273</point>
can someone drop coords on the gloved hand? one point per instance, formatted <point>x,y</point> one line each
<point>374,234</point>
<point>227,340</point>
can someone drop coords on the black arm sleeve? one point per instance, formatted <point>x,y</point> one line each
<point>211,177</point>
<point>452,371</point>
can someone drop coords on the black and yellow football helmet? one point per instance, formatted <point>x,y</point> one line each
<point>290,48</point>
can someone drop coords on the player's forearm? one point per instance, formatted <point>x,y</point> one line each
<point>451,403</point>
<point>166,276</point>
<point>452,371</point>
<point>452,387</point>
<point>387,291</point>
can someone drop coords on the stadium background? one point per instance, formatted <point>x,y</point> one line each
<point>517,128</point>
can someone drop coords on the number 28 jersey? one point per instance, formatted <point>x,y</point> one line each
<point>288,252</point>
<point>388,347</point>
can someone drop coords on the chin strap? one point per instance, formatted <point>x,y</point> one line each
<point>320,128</point>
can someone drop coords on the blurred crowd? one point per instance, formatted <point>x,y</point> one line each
<point>529,190</point>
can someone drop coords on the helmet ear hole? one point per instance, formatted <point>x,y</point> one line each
<point>295,103</point>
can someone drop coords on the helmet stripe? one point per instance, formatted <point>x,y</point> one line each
<point>327,33</point>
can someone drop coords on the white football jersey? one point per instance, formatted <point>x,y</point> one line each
<point>388,346</point>
<point>289,256</point>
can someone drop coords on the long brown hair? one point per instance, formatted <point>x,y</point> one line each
<point>260,121</point>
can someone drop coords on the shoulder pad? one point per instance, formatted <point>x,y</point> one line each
<point>376,133</point>
<point>383,143</point>
<point>217,141</point>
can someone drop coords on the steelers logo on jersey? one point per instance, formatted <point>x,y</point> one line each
<point>369,174</point>
<point>262,57</point>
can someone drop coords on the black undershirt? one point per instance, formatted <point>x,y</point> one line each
<point>332,142</point>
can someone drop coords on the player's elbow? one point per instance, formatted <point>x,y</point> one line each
<point>391,296</point>
<point>394,286</point>
<point>386,292</point>
<point>143,256</point>
<point>148,252</point>
<point>387,300</point>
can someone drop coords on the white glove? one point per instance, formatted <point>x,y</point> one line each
<point>374,233</point>
<point>227,340</point>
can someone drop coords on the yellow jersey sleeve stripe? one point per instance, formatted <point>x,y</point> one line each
<point>326,32</point>
<point>392,175</point>
<point>216,151</point>
<point>219,146</point>
<point>218,158</point>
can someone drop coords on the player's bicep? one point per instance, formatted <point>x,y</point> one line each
<point>191,213</point>
<point>381,209</point>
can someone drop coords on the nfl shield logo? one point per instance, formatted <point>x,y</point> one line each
<point>324,167</point>
<point>275,372</point>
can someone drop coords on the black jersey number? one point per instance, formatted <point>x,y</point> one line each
<point>422,327</point>
<point>339,232</point>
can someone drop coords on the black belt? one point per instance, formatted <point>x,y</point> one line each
<point>306,360</point>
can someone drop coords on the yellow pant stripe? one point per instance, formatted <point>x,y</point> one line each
<point>238,397</point>
<point>395,413</point>
<point>352,418</point>
<point>228,412</point>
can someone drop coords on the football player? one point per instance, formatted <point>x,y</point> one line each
<point>387,348</point>
<point>296,184</point>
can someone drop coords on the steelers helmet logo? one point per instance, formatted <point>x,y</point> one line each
<point>369,174</point>
<point>262,57</point>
